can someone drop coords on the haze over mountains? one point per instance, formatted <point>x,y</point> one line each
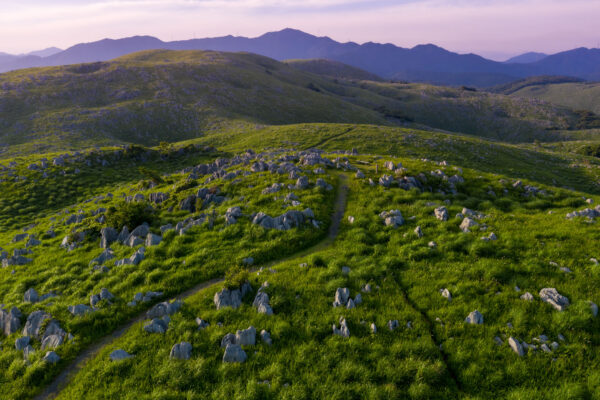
<point>423,63</point>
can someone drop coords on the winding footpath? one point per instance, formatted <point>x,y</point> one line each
<point>67,374</point>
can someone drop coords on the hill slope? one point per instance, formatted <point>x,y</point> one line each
<point>156,96</point>
<point>580,96</point>
<point>421,347</point>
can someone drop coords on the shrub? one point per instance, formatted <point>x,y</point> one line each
<point>317,261</point>
<point>235,277</point>
<point>129,214</point>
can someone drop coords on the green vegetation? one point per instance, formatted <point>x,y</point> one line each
<point>333,69</point>
<point>168,96</point>
<point>578,96</point>
<point>437,355</point>
<point>203,133</point>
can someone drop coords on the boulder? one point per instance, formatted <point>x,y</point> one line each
<point>119,355</point>
<point>22,342</point>
<point>202,324</point>
<point>31,296</point>
<point>157,325</point>
<point>467,224</point>
<point>158,197</point>
<point>152,240</point>
<point>228,298</point>
<point>516,346</point>
<point>418,232</point>
<point>441,213</point>
<point>34,323</point>
<point>105,256</point>
<point>108,236</point>
<point>393,324</point>
<point>343,331</point>
<point>164,309</point>
<point>261,303</point>
<point>392,218</point>
<point>446,293</point>
<point>79,309</point>
<point>555,299</point>
<point>52,341</point>
<point>341,297</point>
<point>181,351</point>
<point>321,183</point>
<point>10,321</point>
<point>234,353</point>
<point>302,183</point>
<point>386,180</point>
<point>51,357</point>
<point>266,337</point>
<point>228,339</point>
<point>475,318</point>
<point>527,296</point>
<point>188,204</point>
<point>246,337</point>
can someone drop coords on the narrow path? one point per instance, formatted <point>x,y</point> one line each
<point>322,142</point>
<point>63,379</point>
<point>431,328</point>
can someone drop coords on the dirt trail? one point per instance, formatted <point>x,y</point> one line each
<point>61,380</point>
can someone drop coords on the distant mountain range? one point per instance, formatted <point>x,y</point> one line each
<point>423,63</point>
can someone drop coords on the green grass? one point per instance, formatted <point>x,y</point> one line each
<point>435,359</point>
<point>579,96</point>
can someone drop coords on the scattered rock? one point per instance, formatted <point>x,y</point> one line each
<point>446,293</point>
<point>79,309</point>
<point>343,331</point>
<point>234,353</point>
<point>441,213</point>
<point>467,224</point>
<point>392,218</point>
<point>51,357</point>
<point>266,337</point>
<point>475,318</point>
<point>555,299</point>
<point>119,355</point>
<point>527,296</point>
<point>31,296</point>
<point>181,351</point>
<point>516,346</point>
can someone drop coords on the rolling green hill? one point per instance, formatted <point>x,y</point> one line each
<point>520,194</point>
<point>155,96</point>
<point>579,96</point>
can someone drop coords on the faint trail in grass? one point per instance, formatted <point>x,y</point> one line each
<point>61,380</point>
<point>431,328</point>
<point>322,142</point>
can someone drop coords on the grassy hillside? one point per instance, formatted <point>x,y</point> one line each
<point>579,96</point>
<point>432,353</point>
<point>512,87</point>
<point>155,96</point>
<point>333,69</point>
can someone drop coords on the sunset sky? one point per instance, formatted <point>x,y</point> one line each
<point>492,28</point>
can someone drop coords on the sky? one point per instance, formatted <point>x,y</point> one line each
<point>496,29</point>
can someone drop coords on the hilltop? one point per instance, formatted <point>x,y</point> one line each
<point>333,69</point>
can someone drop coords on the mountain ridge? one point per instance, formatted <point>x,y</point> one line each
<point>422,63</point>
